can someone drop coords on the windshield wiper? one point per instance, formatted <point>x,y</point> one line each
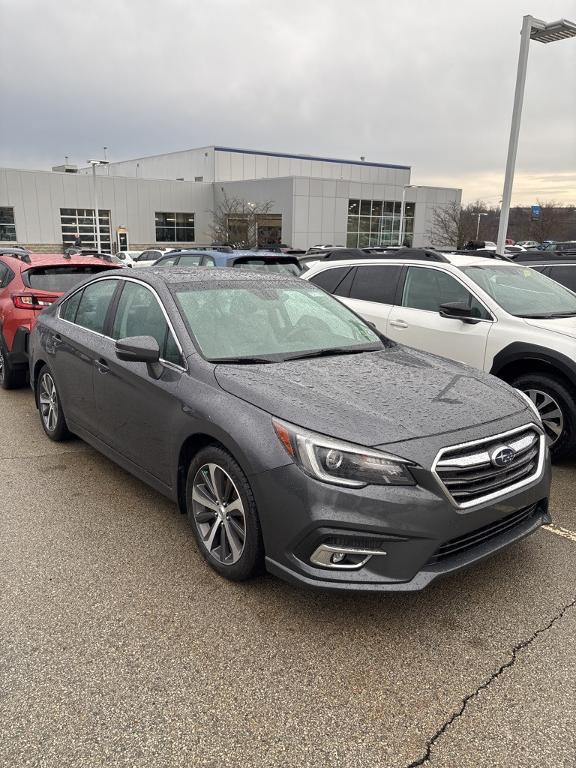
<point>331,351</point>
<point>549,316</point>
<point>241,360</point>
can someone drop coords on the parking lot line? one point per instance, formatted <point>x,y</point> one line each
<point>570,535</point>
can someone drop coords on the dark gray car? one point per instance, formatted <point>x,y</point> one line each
<point>289,431</point>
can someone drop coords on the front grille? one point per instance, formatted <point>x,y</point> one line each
<point>463,544</point>
<point>470,477</point>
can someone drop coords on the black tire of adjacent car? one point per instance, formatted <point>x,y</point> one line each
<point>60,431</point>
<point>566,399</point>
<point>252,558</point>
<point>10,377</point>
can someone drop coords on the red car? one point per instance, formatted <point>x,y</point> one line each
<point>28,283</point>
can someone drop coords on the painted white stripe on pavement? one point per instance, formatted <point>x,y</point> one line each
<point>570,535</point>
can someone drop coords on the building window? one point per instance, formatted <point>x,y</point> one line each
<point>377,222</point>
<point>81,221</point>
<point>174,227</point>
<point>7,225</point>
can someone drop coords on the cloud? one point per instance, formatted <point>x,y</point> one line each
<point>429,85</point>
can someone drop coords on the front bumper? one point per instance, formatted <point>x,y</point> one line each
<point>417,532</point>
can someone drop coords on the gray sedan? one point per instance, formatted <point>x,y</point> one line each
<point>292,434</point>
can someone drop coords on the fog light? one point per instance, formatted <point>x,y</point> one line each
<point>337,557</point>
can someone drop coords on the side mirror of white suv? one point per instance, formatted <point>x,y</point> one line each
<point>458,310</point>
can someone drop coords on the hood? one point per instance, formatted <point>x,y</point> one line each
<point>373,398</point>
<point>563,325</point>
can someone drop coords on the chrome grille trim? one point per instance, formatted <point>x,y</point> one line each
<point>470,479</point>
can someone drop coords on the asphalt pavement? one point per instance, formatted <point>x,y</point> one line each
<point>120,647</point>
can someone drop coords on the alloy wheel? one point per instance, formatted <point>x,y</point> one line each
<point>550,413</point>
<point>219,514</point>
<point>48,402</point>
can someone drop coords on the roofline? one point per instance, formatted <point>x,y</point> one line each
<point>311,157</point>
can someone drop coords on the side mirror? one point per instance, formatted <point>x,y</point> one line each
<point>138,349</point>
<point>141,349</point>
<point>458,310</point>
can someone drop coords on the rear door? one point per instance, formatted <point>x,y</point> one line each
<point>416,319</point>
<point>76,343</point>
<point>373,292</point>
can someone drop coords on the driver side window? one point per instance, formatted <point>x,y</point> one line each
<point>140,314</point>
<point>427,289</point>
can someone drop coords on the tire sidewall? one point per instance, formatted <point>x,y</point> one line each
<point>251,560</point>
<point>61,432</point>
<point>566,444</point>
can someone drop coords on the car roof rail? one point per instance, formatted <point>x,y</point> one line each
<point>19,255</point>
<point>419,254</point>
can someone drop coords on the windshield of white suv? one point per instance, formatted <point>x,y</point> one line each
<point>523,292</point>
<point>252,323</point>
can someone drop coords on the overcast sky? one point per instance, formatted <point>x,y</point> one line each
<point>422,83</point>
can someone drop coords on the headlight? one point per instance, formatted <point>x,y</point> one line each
<point>531,405</point>
<point>334,461</point>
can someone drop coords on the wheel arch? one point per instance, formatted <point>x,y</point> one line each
<point>519,359</point>
<point>188,450</point>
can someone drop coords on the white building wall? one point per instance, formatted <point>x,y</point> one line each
<point>37,197</point>
<point>279,192</point>
<point>187,164</point>
<point>243,165</point>
<point>427,199</point>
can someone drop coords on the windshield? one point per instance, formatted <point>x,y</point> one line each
<point>59,279</point>
<point>523,292</point>
<point>271,323</point>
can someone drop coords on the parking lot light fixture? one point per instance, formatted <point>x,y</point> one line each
<point>532,29</point>
<point>403,205</point>
<point>94,163</point>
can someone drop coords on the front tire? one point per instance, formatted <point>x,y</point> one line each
<point>222,511</point>
<point>557,406</point>
<point>50,407</point>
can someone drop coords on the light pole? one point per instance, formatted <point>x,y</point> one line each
<point>478,224</point>
<point>532,29</point>
<point>401,228</point>
<point>94,163</point>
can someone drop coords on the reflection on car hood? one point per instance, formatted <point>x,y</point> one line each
<point>373,398</point>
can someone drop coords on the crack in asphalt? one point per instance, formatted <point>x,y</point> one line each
<point>427,756</point>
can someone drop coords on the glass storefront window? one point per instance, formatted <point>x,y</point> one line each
<point>377,222</point>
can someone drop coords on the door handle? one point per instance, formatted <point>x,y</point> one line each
<point>102,365</point>
<point>398,324</point>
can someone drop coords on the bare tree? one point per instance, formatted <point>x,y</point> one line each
<point>446,230</point>
<point>235,221</point>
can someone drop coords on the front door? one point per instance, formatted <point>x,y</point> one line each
<point>417,322</point>
<point>137,410</point>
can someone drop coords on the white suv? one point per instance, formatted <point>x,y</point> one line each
<point>495,315</point>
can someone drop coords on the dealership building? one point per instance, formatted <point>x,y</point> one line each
<point>170,199</point>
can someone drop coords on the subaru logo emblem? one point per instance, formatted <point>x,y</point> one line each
<point>502,456</point>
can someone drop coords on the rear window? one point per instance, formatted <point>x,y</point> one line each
<point>283,266</point>
<point>330,279</point>
<point>59,278</point>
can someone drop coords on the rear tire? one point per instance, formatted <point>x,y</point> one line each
<point>10,377</point>
<point>222,511</point>
<point>50,407</point>
<point>557,405</point>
